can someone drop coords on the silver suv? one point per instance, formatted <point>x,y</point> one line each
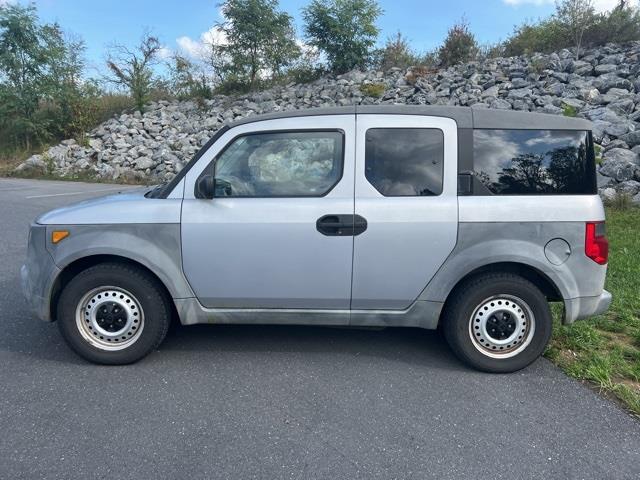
<point>468,220</point>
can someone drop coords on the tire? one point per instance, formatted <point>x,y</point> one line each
<point>497,322</point>
<point>113,314</point>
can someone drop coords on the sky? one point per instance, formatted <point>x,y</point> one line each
<point>180,25</point>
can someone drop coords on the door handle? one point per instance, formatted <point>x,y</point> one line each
<point>341,225</point>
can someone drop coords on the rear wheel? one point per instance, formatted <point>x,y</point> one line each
<point>113,314</point>
<point>498,322</point>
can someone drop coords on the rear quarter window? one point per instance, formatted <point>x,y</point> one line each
<point>535,162</point>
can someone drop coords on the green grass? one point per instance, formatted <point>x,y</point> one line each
<point>605,350</point>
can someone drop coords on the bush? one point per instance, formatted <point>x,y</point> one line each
<point>491,50</point>
<point>460,45</point>
<point>544,37</point>
<point>232,85</point>
<point>620,25</point>
<point>397,54</point>
<point>375,90</point>
<point>300,74</point>
<point>188,81</point>
<point>109,104</point>
<point>598,151</point>
<point>569,111</point>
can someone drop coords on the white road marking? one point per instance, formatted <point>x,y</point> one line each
<point>88,192</point>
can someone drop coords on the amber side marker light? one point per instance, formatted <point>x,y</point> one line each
<point>59,235</point>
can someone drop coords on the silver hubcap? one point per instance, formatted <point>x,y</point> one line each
<point>109,318</point>
<point>502,326</point>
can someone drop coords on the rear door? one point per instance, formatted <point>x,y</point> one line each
<point>406,189</point>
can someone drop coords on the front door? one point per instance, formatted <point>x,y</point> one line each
<point>269,239</point>
<point>406,189</point>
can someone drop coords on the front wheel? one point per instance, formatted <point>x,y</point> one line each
<point>498,322</point>
<point>113,314</point>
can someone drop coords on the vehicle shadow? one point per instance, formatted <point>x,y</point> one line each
<point>409,345</point>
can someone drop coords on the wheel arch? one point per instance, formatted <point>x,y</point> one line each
<point>548,288</point>
<point>81,264</point>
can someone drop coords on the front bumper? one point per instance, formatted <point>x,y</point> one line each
<point>38,274</point>
<point>585,307</point>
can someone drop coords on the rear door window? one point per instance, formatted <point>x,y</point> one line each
<point>405,162</point>
<point>535,162</point>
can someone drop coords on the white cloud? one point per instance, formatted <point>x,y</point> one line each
<point>191,47</point>
<point>165,53</point>
<point>198,48</point>
<point>599,5</point>
<point>606,5</point>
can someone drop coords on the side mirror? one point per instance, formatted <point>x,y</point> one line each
<point>222,188</point>
<point>209,187</point>
<point>206,187</point>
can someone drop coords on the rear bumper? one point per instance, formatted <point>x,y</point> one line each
<point>585,307</point>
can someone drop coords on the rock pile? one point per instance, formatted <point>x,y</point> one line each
<point>603,86</point>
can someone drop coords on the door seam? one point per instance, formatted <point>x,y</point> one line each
<point>353,239</point>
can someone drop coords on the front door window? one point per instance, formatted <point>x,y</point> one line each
<point>282,164</point>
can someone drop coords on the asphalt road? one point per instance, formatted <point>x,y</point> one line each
<point>281,402</point>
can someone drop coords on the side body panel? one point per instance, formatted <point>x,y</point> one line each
<point>157,247</point>
<point>420,314</point>
<point>517,230</point>
<point>127,225</point>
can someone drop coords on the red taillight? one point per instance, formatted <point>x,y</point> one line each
<point>596,245</point>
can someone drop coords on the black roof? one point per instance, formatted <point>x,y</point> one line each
<point>465,117</point>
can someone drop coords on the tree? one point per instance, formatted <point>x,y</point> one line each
<point>622,24</point>
<point>397,53</point>
<point>39,76</point>
<point>132,69</point>
<point>69,91</point>
<point>344,30</point>
<point>459,46</point>
<point>568,168</point>
<point>576,16</point>
<point>526,174</point>
<point>259,39</point>
<point>188,80</point>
